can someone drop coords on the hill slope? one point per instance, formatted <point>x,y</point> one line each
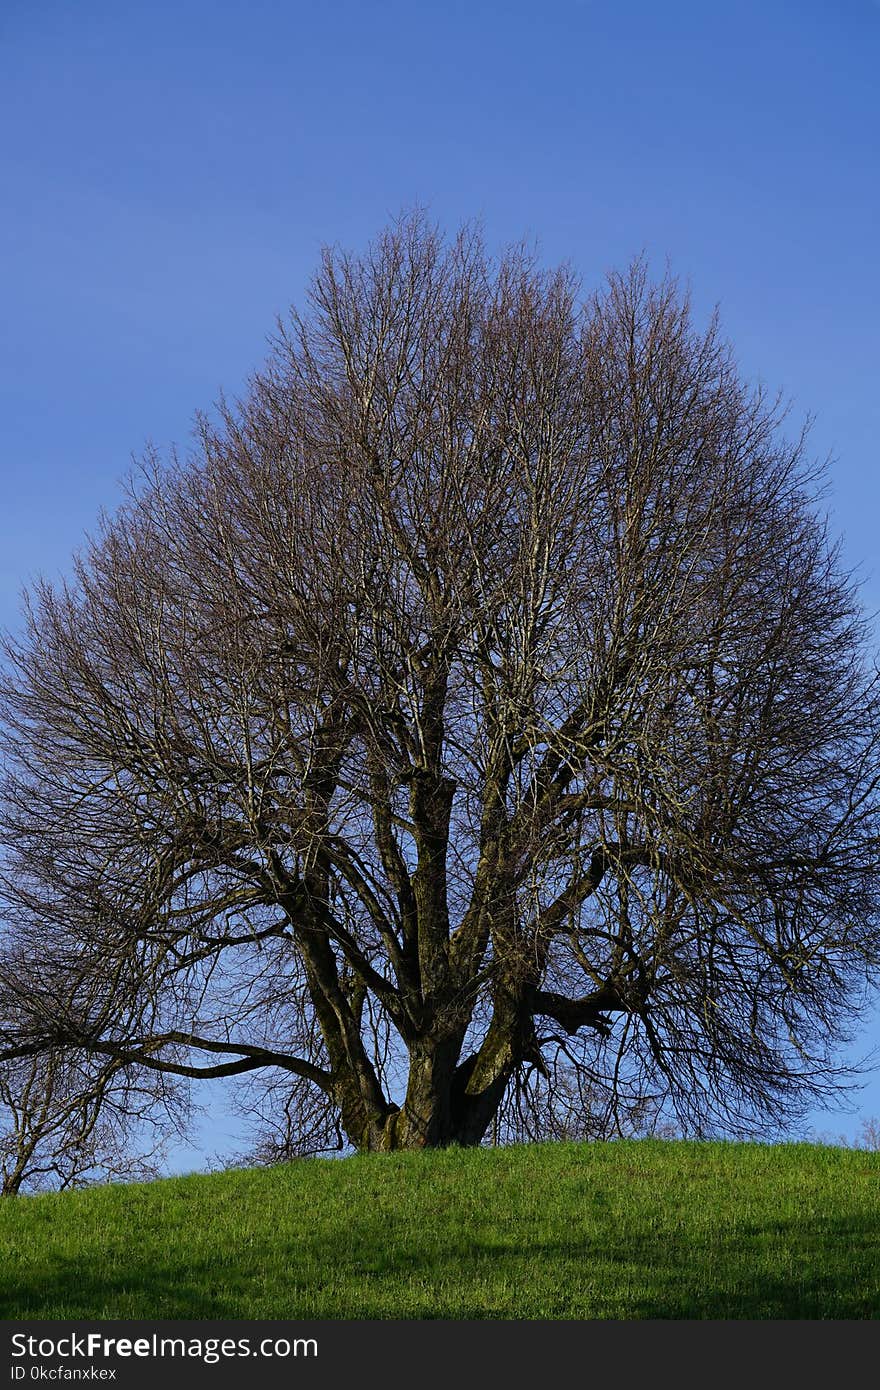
<point>624,1230</point>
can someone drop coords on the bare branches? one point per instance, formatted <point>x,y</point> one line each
<point>67,1121</point>
<point>483,700</point>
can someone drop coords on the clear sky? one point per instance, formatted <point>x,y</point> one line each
<point>168,172</point>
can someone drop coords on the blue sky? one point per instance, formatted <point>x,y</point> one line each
<point>169,172</point>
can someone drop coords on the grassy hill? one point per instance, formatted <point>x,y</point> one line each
<point>642,1229</point>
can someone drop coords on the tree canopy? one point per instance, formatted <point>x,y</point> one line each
<point>477,727</point>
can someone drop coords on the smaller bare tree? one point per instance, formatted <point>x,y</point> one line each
<point>65,1122</point>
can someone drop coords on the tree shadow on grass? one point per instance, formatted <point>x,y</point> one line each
<point>830,1269</point>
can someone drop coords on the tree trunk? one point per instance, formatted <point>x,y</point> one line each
<point>447,1102</point>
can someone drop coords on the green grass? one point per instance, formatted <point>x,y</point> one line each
<point>642,1229</point>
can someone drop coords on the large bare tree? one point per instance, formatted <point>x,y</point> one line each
<point>480,712</point>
